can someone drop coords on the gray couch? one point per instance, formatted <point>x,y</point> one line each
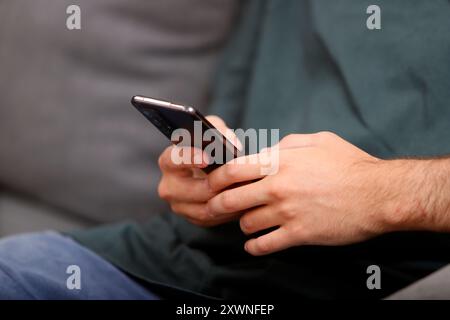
<point>73,153</point>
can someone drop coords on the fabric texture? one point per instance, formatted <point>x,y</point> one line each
<point>69,136</point>
<point>302,67</point>
<point>40,266</point>
<point>22,215</point>
<point>434,287</point>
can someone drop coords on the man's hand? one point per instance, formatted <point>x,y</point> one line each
<point>185,186</point>
<point>326,192</point>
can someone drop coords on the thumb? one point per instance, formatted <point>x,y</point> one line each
<point>220,125</point>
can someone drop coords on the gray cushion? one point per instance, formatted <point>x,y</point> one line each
<point>434,287</point>
<point>68,135</point>
<point>21,215</point>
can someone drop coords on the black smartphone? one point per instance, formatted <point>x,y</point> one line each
<point>168,117</point>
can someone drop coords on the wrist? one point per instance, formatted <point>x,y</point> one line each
<point>409,195</point>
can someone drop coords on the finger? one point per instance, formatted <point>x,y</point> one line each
<point>260,219</point>
<point>199,174</point>
<point>220,125</point>
<point>297,141</point>
<point>190,210</point>
<point>269,243</point>
<point>212,222</point>
<point>179,188</point>
<point>238,170</point>
<point>217,122</point>
<point>239,199</point>
<point>182,158</point>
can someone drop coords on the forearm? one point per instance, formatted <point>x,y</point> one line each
<point>418,194</point>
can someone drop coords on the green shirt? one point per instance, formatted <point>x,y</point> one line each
<point>303,67</point>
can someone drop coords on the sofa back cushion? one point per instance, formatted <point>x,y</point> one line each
<point>68,134</point>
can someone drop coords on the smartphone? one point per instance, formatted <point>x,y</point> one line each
<point>168,117</point>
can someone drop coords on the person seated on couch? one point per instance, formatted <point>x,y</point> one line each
<point>337,204</point>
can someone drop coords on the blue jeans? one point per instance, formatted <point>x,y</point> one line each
<point>51,266</point>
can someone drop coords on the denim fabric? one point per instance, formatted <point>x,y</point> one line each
<point>35,266</point>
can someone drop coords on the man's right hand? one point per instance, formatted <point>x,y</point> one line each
<point>185,186</point>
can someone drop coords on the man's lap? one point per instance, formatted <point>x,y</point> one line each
<point>212,262</point>
<point>45,266</point>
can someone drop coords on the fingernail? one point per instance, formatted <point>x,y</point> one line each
<point>244,225</point>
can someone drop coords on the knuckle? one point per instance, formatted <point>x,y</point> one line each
<point>161,161</point>
<point>227,201</point>
<point>212,183</point>
<point>325,135</point>
<point>246,225</point>
<point>164,157</point>
<point>273,192</point>
<point>278,191</point>
<point>231,171</point>
<point>289,138</point>
<point>163,191</point>
<point>286,212</point>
